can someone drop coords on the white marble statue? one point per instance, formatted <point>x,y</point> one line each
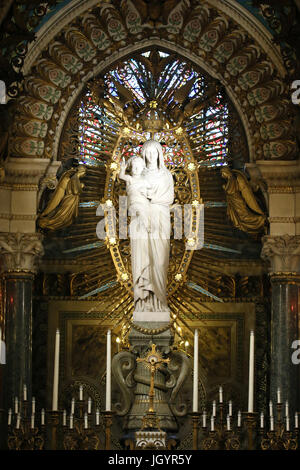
<point>150,192</point>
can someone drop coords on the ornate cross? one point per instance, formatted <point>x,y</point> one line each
<point>154,361</point>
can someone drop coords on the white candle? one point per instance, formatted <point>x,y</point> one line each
<point>271,408</point>
<point>261,420</point>
<point>228,423</point>
<point>81,393</point>
<point>287,423</point>
<point>286,408</point>
<point>212,423</point>
<point>108,372</point>
<point>89,405</point>
<point>220,394</point>
<point>56,372</point>
<point>71,421</point>
<point>214,412</point>
<point>97,417</point>
<point>32,421</point>
<point>204,419</point>
<point>72,406</point>
<point>85,421</point>
<point>9,417</point>
<point>239,423</point>
<point>195,382</point>
<point>16,405</point>
<point>296,421</point>
<point>43,417</point>
<point>278,396</point>
<point>25,393</point>
<point>33,405</point>
<point>271,423</point>
<point>251,373</point>
<point>18,421</point>
<point>65,418</point>
<point>230,408</point>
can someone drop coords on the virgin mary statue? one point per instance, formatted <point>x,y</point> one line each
<point>150,233</point>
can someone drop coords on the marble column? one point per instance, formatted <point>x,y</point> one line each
<point>283,253</point>
<point>19,253</point>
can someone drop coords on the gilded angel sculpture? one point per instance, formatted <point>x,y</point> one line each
<point>242,207</point>
<point>63,205</point>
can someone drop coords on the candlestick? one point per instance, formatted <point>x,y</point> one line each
<point>32,421</point>
<point>278,396</point>
<point>65,418</point>
<point>89,405</point>
<point>220,394</point>
<point>228,423</point>
<point>97,417</point>
<point>108,372</point>
<point>214,412</point>
<point>212,423</point>
<point>287,423</point>
<point>230,408</point>
<point>43,417</point>
<point>18,421</point>
<point>286,408</point>
<point>251,373</point>
<point>9,416</point>
<point>71,421</point>
<point>33,405</point>
<point>16,405</point>
<point>56,372</point>
<point>72,406</point>
<point>261,420</point>
<point>25,393</point>
<point>271,408</point>
<point>239,423</point>
<point>195,382</point>
<point>85,421</point>
<point>80,393</point>
<point>272,423</point>
<point>296,421</point>
<point>204,416</point>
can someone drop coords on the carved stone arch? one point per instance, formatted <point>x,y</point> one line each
<point>86,44</point>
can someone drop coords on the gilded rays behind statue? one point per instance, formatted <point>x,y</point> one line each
<point>152,95</point>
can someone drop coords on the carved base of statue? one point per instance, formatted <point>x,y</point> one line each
<point>154,316</point>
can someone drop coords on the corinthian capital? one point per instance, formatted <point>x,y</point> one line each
<point>283,253</point>
<point>20,251</point>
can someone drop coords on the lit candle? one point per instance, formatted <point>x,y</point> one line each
<point>25,393</point>
<point>214,412</point>
<point>212,423</point>
<point>16,405</point>
<point>195,382</point>
<point>278,396</point>
<point>261,420</point>
<point>33,405</point>
<point>71,421</point>
<point>287,423</point>
<point>286,408</point>
<point>204,419</point>
<point>108,372</point>
<point>56,372</point>
<point>32,421</point>
<point>230,408</point>
<point>251,373</point>
<point>85,421</point>
<point>43,417</point>
<point>239,423</point>
<point>271,408</point>
<point>18,421</point>
<point>9,417</point>
<point>272,423</point>
<point>81,393</point>
<point>228,423</point>
<point>220,394</point>
<point>89,405</point>
<point>296,421</point>
<point>65,418</point>
<point>72,406</point>
<point>97,417</point>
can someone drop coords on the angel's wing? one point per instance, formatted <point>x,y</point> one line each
<point>181,93</point>
<point>247,192</point>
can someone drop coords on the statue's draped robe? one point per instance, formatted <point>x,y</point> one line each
<point>150,243</point>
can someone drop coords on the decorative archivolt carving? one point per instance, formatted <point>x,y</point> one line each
<point>225,46</point>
